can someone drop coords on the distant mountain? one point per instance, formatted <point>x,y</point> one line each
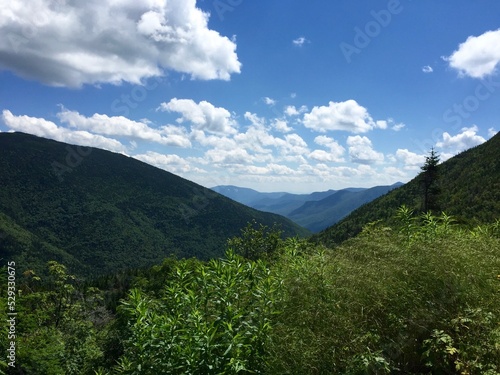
<point>469,190</point>
<point>99,211</point>
<point>315,211</point>
<point>318,215</point>
<point>278,203</point>
<point>243,195</point>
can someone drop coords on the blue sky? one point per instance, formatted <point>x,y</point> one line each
<point>301,97</point>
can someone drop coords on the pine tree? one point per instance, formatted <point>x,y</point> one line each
<point>430,184</point>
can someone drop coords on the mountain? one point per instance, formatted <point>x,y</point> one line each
<point>320,214</point>
<point>469,186</point>
<point>99,211</point>
<point>278,203</point>
<point>315,211</point>
<point>243,195</point>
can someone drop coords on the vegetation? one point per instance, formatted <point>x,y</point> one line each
<point>418,298</point>
<point>470,191</point>
<point>430,182</point>
<point>99,212</point>
<point>417,292</point>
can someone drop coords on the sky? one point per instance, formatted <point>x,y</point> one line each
<point>295,96</point>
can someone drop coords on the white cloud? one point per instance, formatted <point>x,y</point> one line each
<point>235,156</point>
<point>398,127</point>
<point>204,116</point>
<point>254,119</point>
<point>427,69</point>
<point>122,126</point>
<point>300,41</point>
<point>71,43</point>
<point>348,116</point>
<point>335,154</point>
<point>411,160</point>
<point>361,151</point>
<point>281,126</point>
<point>269,101</point>
<point>291,110</point>
<point>48,129</point>
<point>478,56</point>
<point>466,139</point>
<point>172,163</point>
<point>492,132</point>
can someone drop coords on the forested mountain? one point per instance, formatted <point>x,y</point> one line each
<point>469,189</point>
<point>315,211</point>
<point>245,195</point>
<point>318,215</point>
<point>98,211</point>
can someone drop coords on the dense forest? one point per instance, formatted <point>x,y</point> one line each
<point>421,297</point>
<point>99,212</point>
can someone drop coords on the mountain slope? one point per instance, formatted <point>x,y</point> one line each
<point>470,191</point>
<point>318,215</point>
<point>104,211</point>
<point>243,195</point>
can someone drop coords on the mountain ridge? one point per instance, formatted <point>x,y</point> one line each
<point>106,211</point>
<point>314,211</point>
<point>470,191</point>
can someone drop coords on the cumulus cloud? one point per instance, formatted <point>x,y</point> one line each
<point>466,139</point>
<point>71,43</point>
<point>478,56</point>
<point>492,132</point>
<point>48,129</point>
<point>348,116</point>
<point>234,156</point>
<point>411,160</point>
<point>204,115</point>
<point>172,163</point>
<point>336,151</point>
<point>122,126</point>
<point>291,110</point>
<point>362,152</point>
<point>427,69</point>
<point>281,126</point>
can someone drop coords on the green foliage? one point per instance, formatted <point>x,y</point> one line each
<point>60,329</point>
<point>430,182</point>
<point>257,241</point>
<point>209,318</point>
<point>109,212</point>
<point>469,190</point>
<point>418,299</point>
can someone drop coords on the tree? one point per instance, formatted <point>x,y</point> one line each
<point>429,180</point>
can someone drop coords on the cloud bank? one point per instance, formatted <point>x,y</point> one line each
<point>72,43</point>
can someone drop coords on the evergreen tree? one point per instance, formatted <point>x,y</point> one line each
<point>429,180</point>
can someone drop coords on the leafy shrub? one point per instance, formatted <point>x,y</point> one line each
<point>211,318</point>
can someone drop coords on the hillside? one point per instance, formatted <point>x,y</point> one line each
<point>245,196</point>
<point>470,191</point>
<point>315,211</point>
<point>318,215</point>
<point>99,212</point>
